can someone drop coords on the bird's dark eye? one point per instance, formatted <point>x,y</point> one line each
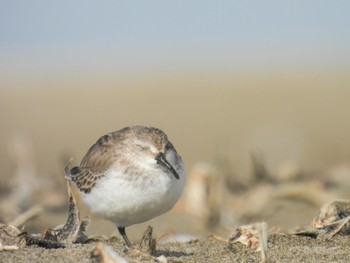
<point>169,146</point>
<point>142,147</point>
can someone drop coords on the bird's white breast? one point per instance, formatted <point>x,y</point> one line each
<point>131,200</point>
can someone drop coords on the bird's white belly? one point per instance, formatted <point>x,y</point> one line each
<point>126,202</point>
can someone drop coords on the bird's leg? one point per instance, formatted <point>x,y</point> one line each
<point>125,237</point>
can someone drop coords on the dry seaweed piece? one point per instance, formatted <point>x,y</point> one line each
<point>68,234</point>
<point>339,227</point>
<point>148,243</point>
<point>51,234</point>
<point>332,212</point>
<point>82,237</point>
<point>310,232</point>
<point>41,242</point>
<point>333,219</point>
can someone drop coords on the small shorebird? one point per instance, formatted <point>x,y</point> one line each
<point>130,176</point>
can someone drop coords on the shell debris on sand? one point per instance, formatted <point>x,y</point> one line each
<point>105,254</point>
<point>332,212</point>
<point>333,219</point>
<point>7,247</point>
<point>253,236</point>
<point>8,233</point>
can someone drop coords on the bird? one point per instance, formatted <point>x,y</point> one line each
<point>130,176</point>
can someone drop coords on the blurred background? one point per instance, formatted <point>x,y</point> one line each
<point>254,95</point>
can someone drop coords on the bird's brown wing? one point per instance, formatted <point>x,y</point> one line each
<point>96,162</point>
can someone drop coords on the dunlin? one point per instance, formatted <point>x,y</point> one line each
<point>130,176</point>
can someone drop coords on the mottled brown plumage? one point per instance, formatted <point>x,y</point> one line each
<point>107,151</point>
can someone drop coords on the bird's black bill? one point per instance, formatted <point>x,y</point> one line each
<point>160,158</point>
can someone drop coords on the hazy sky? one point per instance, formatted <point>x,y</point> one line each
<point>79,36</point>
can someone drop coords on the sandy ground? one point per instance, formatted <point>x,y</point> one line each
<point>281,248</point>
